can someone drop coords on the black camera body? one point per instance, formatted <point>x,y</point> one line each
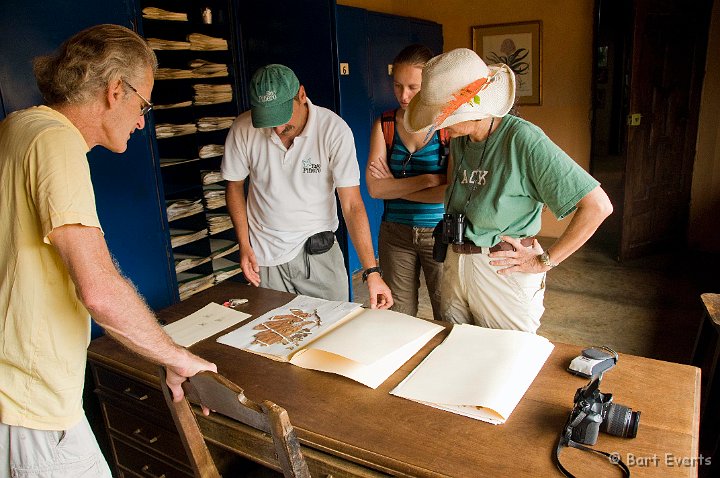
<point>453,228</point>
<point>595,412</point>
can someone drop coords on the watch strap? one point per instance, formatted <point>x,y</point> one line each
<point>369,271</point>
<point>545,260</point>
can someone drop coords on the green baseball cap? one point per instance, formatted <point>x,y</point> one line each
<point>272,89</point>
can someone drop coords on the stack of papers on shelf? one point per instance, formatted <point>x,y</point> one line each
<point>181,104</point>
<point>184,262</point>
<point>198,41</point>
<point>218,222</point>
<point>222,247</point>
<point>171,161</point>
<point>212,150</point>
<point>207,69</point>
<point>204,323</point>
<point>189,284</point>
<point>168,130</point>
<point>178,237</point>
<point>160,44</point>
<point>214,123</point>
<point>214,196</point>
<point>224,268</point>
<point>206,94</point>
<point>338,337</point>
<point>172,74</point>
<point>211,177</point>
<point>178,208</point>
<point>154,13</point>
<point>477,372</point>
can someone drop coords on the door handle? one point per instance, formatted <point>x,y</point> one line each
<point>633,119</point>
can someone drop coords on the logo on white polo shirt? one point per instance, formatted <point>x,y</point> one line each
<point>268,96</point>
<point>310,167</point>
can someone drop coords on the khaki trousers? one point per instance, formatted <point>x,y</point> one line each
<point>403,251</point>
<point>473,292</point>
<point>316,275</point>
<point>72,453</point>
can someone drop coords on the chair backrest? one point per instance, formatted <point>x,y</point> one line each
<point>224,397</point>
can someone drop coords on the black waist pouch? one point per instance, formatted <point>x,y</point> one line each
<point>439,246</point>
<point>320,242</point>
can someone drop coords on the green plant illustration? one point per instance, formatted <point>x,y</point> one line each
<point>511,56</point>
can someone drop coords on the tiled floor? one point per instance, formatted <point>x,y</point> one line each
<point>649,307</point>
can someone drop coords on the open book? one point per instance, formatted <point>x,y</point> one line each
<point>338,337</point>
<point>477,372</point>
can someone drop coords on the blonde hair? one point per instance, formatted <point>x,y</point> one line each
<point>415,54</point>
<point>85,64</point>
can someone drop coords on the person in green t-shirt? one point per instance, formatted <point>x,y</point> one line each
<point>503,172</point>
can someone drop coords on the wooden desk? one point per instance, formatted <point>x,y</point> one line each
<point>347,429</point>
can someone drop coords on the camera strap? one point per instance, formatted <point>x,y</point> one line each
<point>566,440</point>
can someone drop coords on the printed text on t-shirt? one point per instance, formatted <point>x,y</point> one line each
<point>477,176</point>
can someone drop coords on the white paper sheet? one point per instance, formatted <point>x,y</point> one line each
<point>208,321</point>
<point>478,367</point>
<point>368,348</point>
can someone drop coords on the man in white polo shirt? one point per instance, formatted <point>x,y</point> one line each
<point>296,155</point>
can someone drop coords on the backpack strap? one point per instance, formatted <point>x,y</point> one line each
<point>387,123</point>
<point>444,137</point>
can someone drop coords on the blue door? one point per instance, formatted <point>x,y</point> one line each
<point>367,43</point>
<point>355,105</point>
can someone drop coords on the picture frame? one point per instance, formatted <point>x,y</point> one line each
<point>519,45</point>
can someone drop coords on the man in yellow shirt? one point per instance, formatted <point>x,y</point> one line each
<point>56,267</point>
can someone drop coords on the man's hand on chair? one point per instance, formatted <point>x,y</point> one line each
<point>178,373</point>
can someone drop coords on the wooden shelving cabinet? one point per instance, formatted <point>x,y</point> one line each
<point>197,95</point>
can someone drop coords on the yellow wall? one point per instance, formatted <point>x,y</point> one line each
<point>567,60</point>
<point>704,232</point>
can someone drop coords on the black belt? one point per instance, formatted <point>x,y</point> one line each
<point>470,248</point>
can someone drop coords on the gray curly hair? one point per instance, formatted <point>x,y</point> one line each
<point>85,64</point>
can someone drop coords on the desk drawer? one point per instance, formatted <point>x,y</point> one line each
<point>145,433</point>
<point>136,463</point>
<point>136,392</point>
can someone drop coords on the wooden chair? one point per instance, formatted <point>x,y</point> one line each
<point>224,397</point>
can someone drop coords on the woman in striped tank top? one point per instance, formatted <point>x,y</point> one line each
<point>409,173</point>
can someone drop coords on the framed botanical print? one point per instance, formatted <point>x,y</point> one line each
<point>518,45</point>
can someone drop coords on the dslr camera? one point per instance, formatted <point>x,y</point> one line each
<point>595,412</point>
<point>453,228</point>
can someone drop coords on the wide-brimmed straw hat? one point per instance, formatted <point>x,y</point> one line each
<point>458,86</point>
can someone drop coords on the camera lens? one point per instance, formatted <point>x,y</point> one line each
<point>620,421</point>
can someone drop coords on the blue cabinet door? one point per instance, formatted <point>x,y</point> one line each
<point>368,42</point>
<point>126,185</point>
<point>299,34</point>
<point>356,105</point>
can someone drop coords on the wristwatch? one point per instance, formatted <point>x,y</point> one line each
<point>369,271</point>
<point>545,260</point>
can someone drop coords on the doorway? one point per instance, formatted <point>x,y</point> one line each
<point>648,70</point>
<point>609,102</point>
